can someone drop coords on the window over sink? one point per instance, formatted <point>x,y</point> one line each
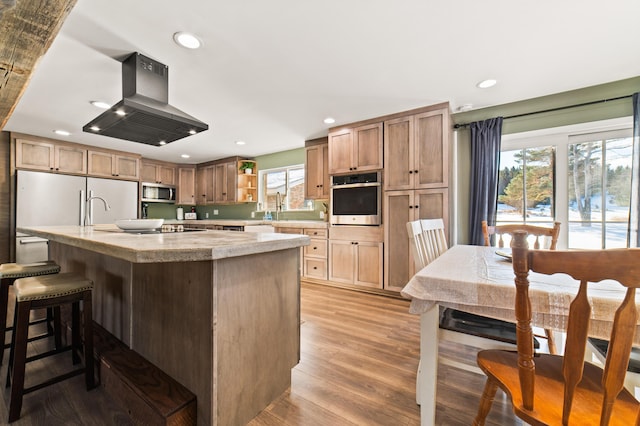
<point>288,182</point>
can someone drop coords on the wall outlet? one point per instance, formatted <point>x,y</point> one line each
<point>215,212</point>
<point>321,215</point>
<point>253,215</point>
<point>206,215</point>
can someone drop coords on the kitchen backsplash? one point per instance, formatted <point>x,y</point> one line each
<point>232,211</point>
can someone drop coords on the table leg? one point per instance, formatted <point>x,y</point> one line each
<point>427,378</point>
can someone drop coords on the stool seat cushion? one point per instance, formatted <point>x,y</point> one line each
<point>21,270</point>
<point>50,286</point>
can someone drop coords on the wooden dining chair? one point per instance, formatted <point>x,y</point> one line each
<point>553,389</point>
<point>538,231</point>
<point>532,230</point>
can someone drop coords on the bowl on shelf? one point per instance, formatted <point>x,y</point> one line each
<point>139,224</point>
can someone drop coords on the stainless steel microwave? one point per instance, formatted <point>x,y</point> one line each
<point>158,193</point>
<point>356,199</point>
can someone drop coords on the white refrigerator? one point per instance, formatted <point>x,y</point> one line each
<point>52,199</point>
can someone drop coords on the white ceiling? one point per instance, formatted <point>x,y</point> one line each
<point>270,71</point>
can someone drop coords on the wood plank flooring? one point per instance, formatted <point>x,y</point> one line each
<point>359,355</point>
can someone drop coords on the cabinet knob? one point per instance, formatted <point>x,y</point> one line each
<point>417,206</point>
<point>315,248</point>
<point>410,207</point>
<point>415,171</point>
<point>315,267</point>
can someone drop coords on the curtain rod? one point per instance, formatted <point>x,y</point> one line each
<point>601,101</point>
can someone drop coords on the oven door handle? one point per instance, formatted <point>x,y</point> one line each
<point>356,185</point>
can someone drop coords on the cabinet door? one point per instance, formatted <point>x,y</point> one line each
<point>368,268</point>
<point>34,155</point>
<point>149,172</point>
<point>101,164</point>
<point>367,147</point>
<point>340,151</point>
<point>316,172</point>
<point>167,175</point>
<point>70,159</point>
<point>341,261</point>
<point>433,204</point>
<point>398,154</point>
<point>186,185</point>
<point>432,149</point>
<point>231,181</point>
<point>398,260</point>
<point>316,248</point>
<point>126,167</point>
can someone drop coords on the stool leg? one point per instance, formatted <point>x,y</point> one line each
<point>12,346</point>
<point>75,332</point>
<point>19,355</point>
<point>87,316</point>
<point>4,302</point>
<point>57,325</point>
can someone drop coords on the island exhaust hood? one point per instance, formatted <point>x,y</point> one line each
<point>144,115</point>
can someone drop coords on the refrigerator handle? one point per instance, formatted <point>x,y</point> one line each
<point>83,202</point>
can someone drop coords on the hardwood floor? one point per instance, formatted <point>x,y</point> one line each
<point>358,363</point>
<point>359,355</point>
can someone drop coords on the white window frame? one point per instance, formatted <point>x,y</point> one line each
<point>561,138</point>
<point>261,173</point>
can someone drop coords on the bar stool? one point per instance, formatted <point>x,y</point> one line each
<point>9,272</point>
<point>49,291</point>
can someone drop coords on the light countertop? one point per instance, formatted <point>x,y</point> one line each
<point>249,222</point>
<point>166,247</point>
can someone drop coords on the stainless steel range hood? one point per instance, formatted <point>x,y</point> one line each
<point>144,114</point>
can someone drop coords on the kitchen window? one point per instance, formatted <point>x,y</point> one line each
<point>577,175</point>
<point>288,182</point>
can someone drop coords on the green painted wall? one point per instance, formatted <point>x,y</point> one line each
<point>584,114</point>
<point>244,210</point>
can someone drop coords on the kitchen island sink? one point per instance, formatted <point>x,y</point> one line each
<point>218,311</point>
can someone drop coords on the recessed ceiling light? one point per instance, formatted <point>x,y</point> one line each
<point>485,84</point>
<point>192,132</point>
<point>162,143</point>
<point>120,112</point>
<point>188,40</point>
<point>95,128</point>
<point>240,142</point>
<point>329,120</point>
<point>100,104</point>
<point>185,156</point>
<point>61,132</point>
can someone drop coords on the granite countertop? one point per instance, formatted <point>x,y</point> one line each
<point>249,222</point>
<point>166,247</point>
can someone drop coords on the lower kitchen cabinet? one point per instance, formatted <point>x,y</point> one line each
<point>315,254</point>
<point>401,207</point>
<point>355,255</point>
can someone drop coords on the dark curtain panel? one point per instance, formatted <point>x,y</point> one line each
<point>485,157</point>
<point>633,236</point>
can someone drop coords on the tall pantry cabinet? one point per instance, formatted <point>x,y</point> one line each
<point>416,181</point>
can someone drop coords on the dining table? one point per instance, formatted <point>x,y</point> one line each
<point>480,280</point>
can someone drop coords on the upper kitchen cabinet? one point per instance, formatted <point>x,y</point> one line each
<point>113,165</point>
<point>316,171</point>
<point>50,157</point>
<point>186,185</point>
<point>222,181</point>
<point>205,177</point>
<point>416,151</point>
<point>158,172</point>
<point>356,149</point>
<point>226,178</point>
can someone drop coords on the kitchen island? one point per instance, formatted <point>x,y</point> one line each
<point>218,311</point>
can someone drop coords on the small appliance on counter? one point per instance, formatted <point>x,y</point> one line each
<point>192,214</point>
<point>180,213</point>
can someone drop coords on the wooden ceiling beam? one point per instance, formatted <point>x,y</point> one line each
<point>27,29</point>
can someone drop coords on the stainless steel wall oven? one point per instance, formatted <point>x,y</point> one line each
<point>356,199</point>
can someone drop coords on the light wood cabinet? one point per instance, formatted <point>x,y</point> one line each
<point>357,149</point>
<point>158,172</point>
<point>247,182</point>
<point>356,256</point>
<point>205,177</point>
<point>316,172</point>
<point>315,254</point>
<point>401,207</point>
<point>50,157</point>
<point>186,185</point>
<point>416,151</point>
<point>108,164</point>
<point>226,178</point>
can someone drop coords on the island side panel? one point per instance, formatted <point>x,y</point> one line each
<point>112,285</point>
<point>172,313</point>
<point>256,332</point>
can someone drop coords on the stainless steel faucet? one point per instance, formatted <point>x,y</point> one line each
<point>278,204</point>
<point>89,208</point>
